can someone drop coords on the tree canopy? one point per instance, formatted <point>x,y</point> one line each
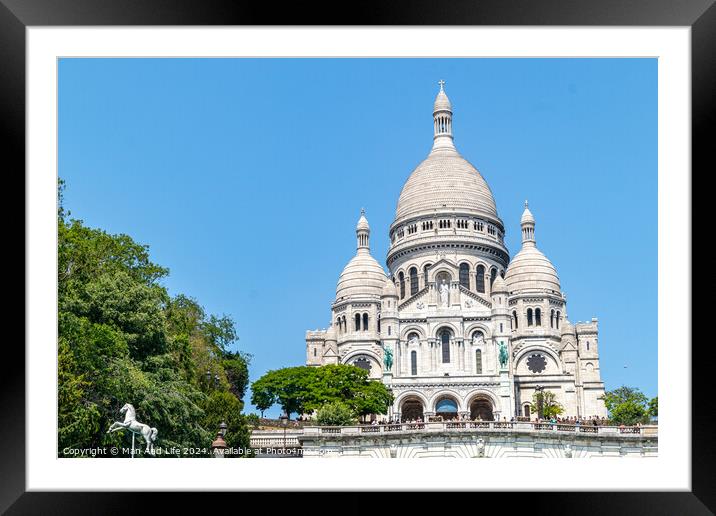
<point>627,406</point>
<point>124,339</point>
<point>304,389</point>
<point>544,404</point>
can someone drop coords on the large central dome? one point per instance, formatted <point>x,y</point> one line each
<point>445,181</point>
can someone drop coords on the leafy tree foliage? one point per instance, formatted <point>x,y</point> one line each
<point>626,405</point>
<point>335,413</point>
<point>305,389</point>
<point>654,406</point>
<point>546,400</point>
<point>123,339</point>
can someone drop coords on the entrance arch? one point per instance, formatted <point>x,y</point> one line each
<point>411,409</point>
<point>481,408</point>
<point>446,407</point>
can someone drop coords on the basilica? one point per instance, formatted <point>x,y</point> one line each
<point>457,328</point>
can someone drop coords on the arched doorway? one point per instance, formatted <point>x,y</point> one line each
<point>446,408</point>
<point>481,408</point>
<point>411,410</point>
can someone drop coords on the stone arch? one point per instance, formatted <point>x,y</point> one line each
<point>443,270</point>
<point>404,332</point>
<point>482,405</point>
<point>446,393</point>
<point>537,347</point>
<point>478,327</point>
<point>410,394</point>
<point>519,367</point>
<point>411,405</point>
<point>446,325</point>
<point>376,364</point>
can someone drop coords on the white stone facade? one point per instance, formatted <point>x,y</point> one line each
<point>453,298</point>
<point>438,440</point>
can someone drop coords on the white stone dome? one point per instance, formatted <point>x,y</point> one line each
<point>442,102</point>
<point>363,276</point>
<point>527,217</point>
<point>531,270</point>
<point>445,182</point>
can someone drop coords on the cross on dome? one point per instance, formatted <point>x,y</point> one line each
<point>441,83</point>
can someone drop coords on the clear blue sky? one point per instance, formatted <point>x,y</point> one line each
<point>246,176</point>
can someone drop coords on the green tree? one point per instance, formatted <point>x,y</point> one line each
<point>547,401</point>
<point>123,339</point>
<point>654,406</point>
<point>335,413</point>
<point>289,387</point>
<point>305,389</point>
<point>224,407</point>
<point>626,405</point>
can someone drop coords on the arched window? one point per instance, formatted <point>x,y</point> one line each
<point>514,319</point>
<point>413,281</point>
<point>527,410</point>
<point>365,322</point>
<point>425,273</point>
<point>357,322</point>
<point>538,317</point>
<point>414,363</point>
<point>587,345</point>
<point>413,336</point>
<point>445,340</point>
<point>401,280</point>
<point>378,323</point>
<point>529,317</point>
<point>478,361</point>
<point>493,276</point>
<point>551,319</point>
<point>557,317</point>
<point>465,275</point>
<point>481,278</point>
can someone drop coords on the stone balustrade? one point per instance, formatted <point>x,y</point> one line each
<point>488,426</point>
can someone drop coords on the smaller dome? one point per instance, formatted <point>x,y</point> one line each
<point>499,285</point>
<point>527,217</point>
<point>442,102</point>
<point>362,222</point>
<point>363,276</point>
<point>531,270</point>
<point>390,290</point>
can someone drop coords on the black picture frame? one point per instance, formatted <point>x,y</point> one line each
<point>17,15</point>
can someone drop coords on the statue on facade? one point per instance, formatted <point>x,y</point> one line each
<point>480,444</point>
<point>503,355</point>
<point>149,434</point>
<point>444,293</point>
<point>388,357</point>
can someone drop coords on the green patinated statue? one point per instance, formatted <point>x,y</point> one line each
<point>503,355</point>
<point>388,357</point>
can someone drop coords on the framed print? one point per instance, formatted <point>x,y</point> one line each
<point>432,236</point>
